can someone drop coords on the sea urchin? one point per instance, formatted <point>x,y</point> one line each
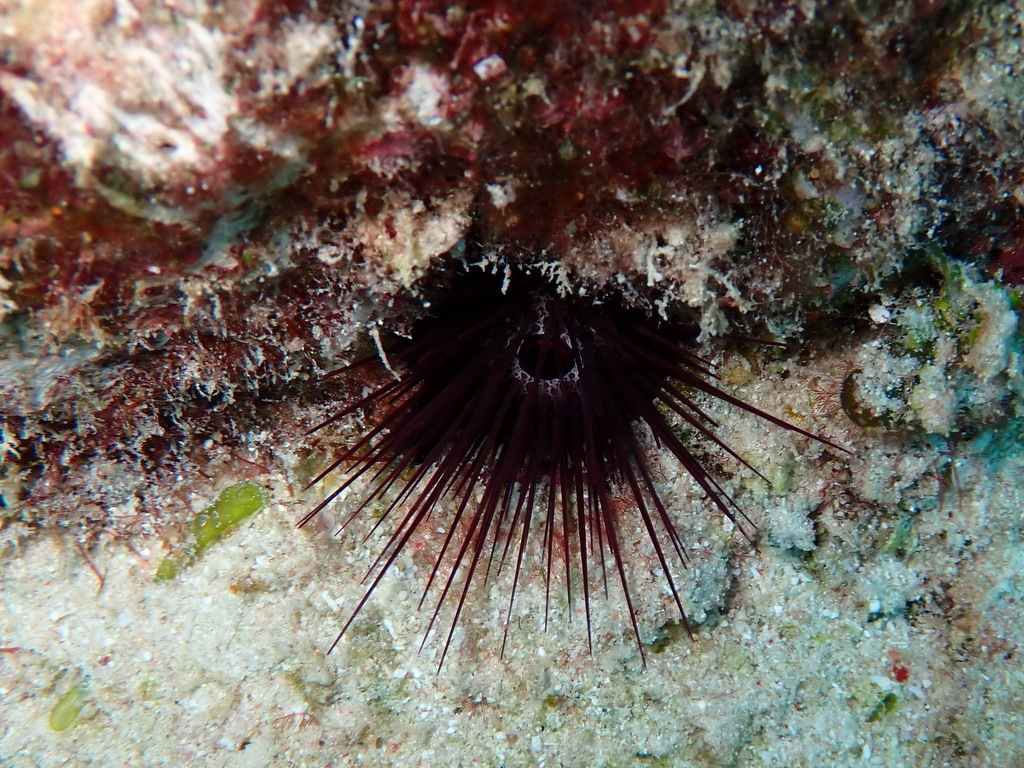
<point>524,408</point>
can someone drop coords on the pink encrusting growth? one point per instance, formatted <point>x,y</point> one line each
<point>535,398</point>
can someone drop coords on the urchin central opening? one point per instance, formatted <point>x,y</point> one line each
<point>545,358</point>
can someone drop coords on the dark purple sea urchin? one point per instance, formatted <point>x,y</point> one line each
<point>533,400</point>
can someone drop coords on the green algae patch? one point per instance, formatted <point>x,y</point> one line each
<point>886,706</point>
<point>668,634</point>
<point>68,709</point>
<point>900,539</point>
<point>233,506</point>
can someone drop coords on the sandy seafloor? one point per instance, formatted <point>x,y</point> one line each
<point>880,620</point>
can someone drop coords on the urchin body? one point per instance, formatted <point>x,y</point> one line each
<point>524,409</point>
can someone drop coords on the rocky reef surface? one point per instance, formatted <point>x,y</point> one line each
<point>206,206</point>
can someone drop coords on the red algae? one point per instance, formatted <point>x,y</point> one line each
<point>213,233</point>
